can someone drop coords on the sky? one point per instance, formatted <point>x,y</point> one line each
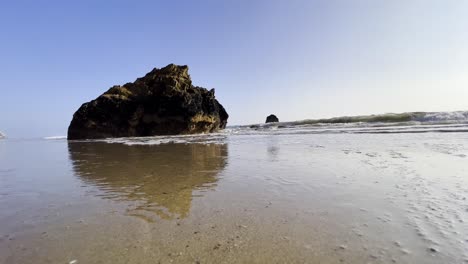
<point>298,59</point>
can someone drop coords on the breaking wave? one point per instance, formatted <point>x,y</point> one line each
<point>415,117</point>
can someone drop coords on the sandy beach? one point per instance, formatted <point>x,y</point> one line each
<point>226,198</point>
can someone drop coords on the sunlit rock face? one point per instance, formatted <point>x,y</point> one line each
<point>163,102</point>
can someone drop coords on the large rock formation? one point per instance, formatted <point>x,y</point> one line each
<point>163,102</point>
<point>271,119</point>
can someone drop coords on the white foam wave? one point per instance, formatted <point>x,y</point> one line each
<point>215,138</point>
<point>55,137</point>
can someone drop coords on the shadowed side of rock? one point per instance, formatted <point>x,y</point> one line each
<point>271,119</point>
<point>163,102</point>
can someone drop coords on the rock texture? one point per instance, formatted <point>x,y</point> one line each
<point>163,102</point>
<point>271,119</point>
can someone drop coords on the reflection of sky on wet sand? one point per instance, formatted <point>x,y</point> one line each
<point>328,198</point>
<point>154,179</point>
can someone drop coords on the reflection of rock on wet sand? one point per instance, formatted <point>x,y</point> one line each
<point>273,149</point>
<point>157,179</point>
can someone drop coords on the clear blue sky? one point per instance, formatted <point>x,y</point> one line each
<point>297,59</point>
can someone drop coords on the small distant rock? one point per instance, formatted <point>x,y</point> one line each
<point>271,119</point>
<point>2,135</point>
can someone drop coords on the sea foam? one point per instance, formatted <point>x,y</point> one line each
<point>55,137</point>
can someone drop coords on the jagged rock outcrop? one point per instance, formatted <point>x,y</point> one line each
<point>163,102</point>
<point>1,135</point>
<point>271,119</point>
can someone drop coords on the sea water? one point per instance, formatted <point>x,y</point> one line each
<point>281,193</point>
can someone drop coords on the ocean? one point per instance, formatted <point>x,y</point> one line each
<point>376,189</point>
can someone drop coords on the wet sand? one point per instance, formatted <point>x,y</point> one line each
<point>332,198</point>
